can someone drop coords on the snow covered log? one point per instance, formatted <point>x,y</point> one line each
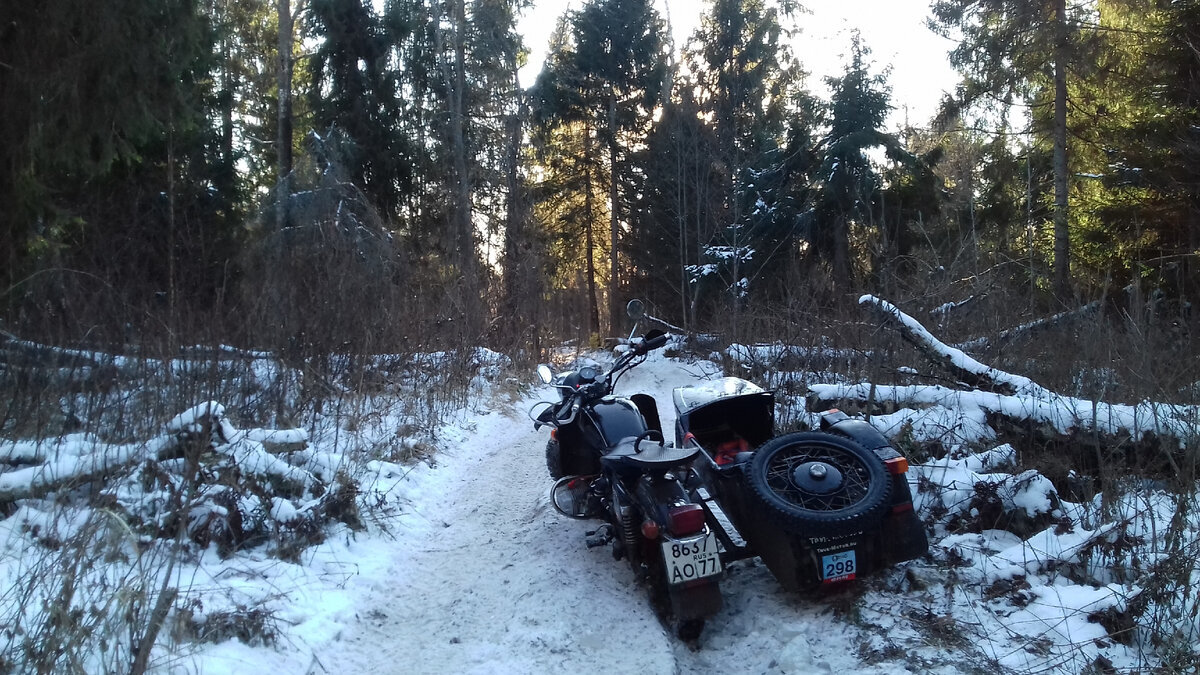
<point>1014,403</point>
<point>963,367</point>
<point>23,353</point>
<point>1054,413</point>
<point>82,458</point>
<point>73,467</point>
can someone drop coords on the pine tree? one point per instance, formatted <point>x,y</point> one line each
<point>621,60</point>
<point>680,208</point>
<point>848,186</point>
<point>566,196</point>
<point>604,82</point>
<point>352,97</point>
<point>1144,197</point>
<point>747,81</point>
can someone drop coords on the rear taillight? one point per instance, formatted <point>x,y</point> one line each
<point>554,434</point>
<point>650,530</point>
<point>896,465</point>
<point>686,519</point>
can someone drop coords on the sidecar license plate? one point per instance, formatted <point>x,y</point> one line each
<point>840,566</point>
<point>692,558</point>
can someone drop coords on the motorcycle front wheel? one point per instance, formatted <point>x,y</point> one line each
<point>554,459</point>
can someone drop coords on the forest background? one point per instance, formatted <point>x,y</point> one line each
<point>340,176</point>
<point>332,165</point>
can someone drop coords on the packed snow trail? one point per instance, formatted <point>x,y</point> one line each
<point>483,576</point>
<point>488,578</point>
<point>496,581</point>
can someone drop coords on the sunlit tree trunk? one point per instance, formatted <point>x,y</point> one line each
<point>614,302</point>
<point>590,243</point>
<point>461,210</point>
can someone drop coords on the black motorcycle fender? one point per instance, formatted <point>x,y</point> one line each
<point>696,600</point>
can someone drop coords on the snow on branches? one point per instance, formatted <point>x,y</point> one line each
<point>220,484</point>
<point>996,394</point>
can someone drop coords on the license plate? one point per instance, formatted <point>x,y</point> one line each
<point>691,558</point>
<point>839,566</point>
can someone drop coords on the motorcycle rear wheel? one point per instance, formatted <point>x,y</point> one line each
<point>689,631</point>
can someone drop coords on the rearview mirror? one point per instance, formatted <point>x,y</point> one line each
<point>545,373</point>
<point>636,309</point>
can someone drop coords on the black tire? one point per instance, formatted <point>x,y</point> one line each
<point>554,459</point>
<point>661,600</point>
<point>689,631</point>
<point>854,501</point>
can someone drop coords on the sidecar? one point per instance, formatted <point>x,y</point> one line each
<point>819,507</point>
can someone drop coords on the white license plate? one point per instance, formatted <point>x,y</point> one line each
<point>838,566</point>
<point>691,558</point>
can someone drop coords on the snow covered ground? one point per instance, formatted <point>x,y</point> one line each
<point>467,569</point>
<point>482,576</point>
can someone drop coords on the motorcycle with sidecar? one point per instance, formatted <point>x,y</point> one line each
<point>820,508</point>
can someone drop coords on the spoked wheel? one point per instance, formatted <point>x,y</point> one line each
<point>818,484</point>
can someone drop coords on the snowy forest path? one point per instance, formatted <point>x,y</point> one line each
<point>493,580</point>
<point>488,578</point>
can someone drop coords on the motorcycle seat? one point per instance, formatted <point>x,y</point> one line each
<point>624,457</point>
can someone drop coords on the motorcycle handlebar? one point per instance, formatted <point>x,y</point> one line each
<point>650,344</point>
<point>572,411</point>
<point>604,384</point>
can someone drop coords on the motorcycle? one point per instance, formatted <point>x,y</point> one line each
<point>821,508</point>
<point>611,462</point>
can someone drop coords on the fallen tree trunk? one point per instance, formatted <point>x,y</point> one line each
<point>191,434</point>
<point>37,481</point>
<point>1029,330</point>
<point>1017,400</point>
<point>1061,414</point>
<point>22,353</point>
<point>963,367</point>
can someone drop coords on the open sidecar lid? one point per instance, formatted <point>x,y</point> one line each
<point>691,397</point>
<point>723,409</point>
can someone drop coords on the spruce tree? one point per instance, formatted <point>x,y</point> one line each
<point>352,97</point>
<point>605,82</point>
<point>110,164</point>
